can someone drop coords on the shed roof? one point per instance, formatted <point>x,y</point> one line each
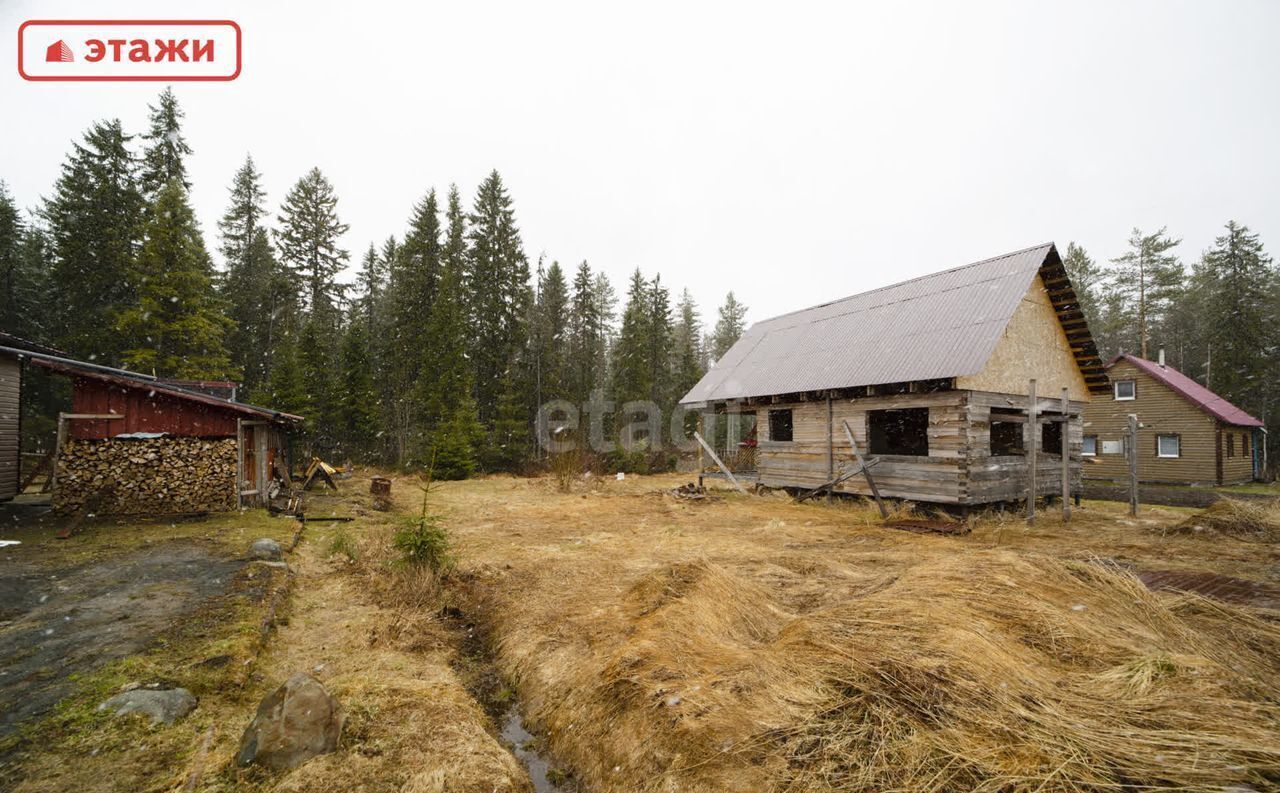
<point>137,380</point>
<point>936,326</point>
<point>1193,392</point>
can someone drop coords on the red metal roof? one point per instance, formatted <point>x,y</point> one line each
<point>1192,391</point>
<point>142,382</point>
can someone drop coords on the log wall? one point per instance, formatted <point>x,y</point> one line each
<point>959,468</point>
<point>157,476</point>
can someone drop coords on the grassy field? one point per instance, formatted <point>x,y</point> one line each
<point>656,644</point>
<point>749,643</point>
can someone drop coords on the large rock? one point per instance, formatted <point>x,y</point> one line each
<point>164,706</point>
<point>296,722</point>
<point>265,548</point>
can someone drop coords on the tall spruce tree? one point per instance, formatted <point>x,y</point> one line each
<point>1086,279</point>
<point>1239,284</point>
<point>308,237</point>
<point>632,373</point>
<point>31,284</point>
<point>452,431</point>
<point>497,297</point>
<point>687,356</point>
<point>317,366</point>
<point>549,334</point>
<point>15,289</point>
<point>251,277</point>
<point>165,152</point>
<point>177,328</point>
<point>94,222</point>
<point>659,336</point>
<point>1147,278</point>
<point>358,399</point>
<point>730,327</point>
<point>587,338</point>
<point>415,277</point>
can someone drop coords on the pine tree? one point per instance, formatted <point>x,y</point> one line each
<point>308,238</point>
<point>251,279</point>
<point>730,327</point>
<point>94,223</point>
<point>177,328</point>
<point>1239,282</point>
<point>163,157</point>
<point>1147,278</point>
<point>497,293</point>
<point>415,276</point>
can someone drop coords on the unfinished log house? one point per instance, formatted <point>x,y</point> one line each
<point>132,444</point>
<point>932,376</point>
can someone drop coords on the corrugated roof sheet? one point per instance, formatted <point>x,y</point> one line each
<point>941,325</point>
<point>1192,391</point>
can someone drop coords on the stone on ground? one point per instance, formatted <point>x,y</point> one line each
<point>296,722</point>
<point>265,548</point>
<point>163,706</point>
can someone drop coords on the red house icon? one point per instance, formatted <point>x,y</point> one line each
<point>58,52</point>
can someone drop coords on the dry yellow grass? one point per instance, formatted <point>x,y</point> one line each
<point>753,644</point>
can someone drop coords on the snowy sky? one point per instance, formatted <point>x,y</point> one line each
<point>793,152</point>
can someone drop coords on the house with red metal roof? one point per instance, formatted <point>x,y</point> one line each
<point>1187,434</point>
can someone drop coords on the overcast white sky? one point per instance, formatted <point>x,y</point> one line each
<point>793,152</point>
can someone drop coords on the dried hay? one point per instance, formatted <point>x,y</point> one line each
<point>995,671</point>
<point>1248,520</point>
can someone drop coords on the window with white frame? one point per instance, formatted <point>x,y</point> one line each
<point>1168,446</point>
<point>1126,390</point>
<point>1090,446</point>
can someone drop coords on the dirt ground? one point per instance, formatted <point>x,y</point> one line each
<point>650,643</point>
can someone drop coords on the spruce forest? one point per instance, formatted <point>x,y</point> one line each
<point>448,339</point>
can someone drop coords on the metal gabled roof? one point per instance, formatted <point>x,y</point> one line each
<point>936,326</point>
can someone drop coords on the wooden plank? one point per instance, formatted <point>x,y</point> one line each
<point>1033,438</point>
<point>1066,459</point>
<point>871,483</point>
<point>829,486</point>
<point>723,467</point>
<point>1133,464</point>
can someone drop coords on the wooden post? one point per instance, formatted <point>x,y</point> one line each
<point>239,463</point>
<point>1033,438</point>
<point>866,470</point>
<point>723,467</point>
<point>1066,456</point>
<point>701,464</point>
<point>831,447</point>
<point>1133,464</point>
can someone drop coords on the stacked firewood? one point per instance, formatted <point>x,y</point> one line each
<point>146,476</point>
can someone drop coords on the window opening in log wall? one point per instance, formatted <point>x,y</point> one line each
<point>904,431</point>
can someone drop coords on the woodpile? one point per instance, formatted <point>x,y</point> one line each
<point>147,476</point>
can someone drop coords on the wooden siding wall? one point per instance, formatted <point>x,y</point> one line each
<point>1161,410</point>
<point>10,429</point>
<point>958,469</point>
<point>145,411</point>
